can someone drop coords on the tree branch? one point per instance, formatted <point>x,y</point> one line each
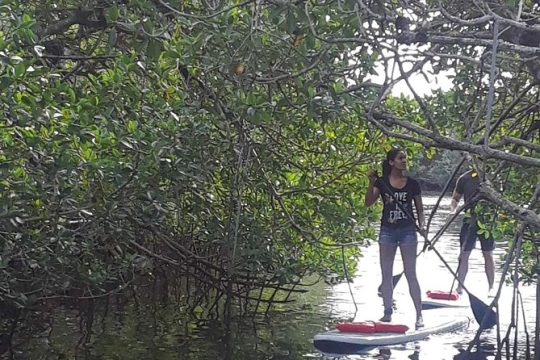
<point>515,141</point>
<point>78,16</point>
<point>449,143</point>
<point>410,37</point>
<point>525,215</point>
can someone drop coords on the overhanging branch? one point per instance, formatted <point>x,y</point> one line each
<point>452,144</point>
<point>525,215</point>
<point>77,17</point>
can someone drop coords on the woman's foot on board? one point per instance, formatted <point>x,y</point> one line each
<point>387,316</point>
<point>419,322</point>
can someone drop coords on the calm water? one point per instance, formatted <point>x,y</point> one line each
<point>161,332</point>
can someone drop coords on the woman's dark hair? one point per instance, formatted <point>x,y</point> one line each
<point>390,156</point>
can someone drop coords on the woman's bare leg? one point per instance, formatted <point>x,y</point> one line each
<point>408,254</point>
<point>387,253</point>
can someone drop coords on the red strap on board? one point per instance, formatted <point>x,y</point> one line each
<point>365,327</point>
<point>390,328</point>
<point>442,295</point>
<point>370,327</point>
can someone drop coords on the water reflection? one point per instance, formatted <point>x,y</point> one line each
<point>482,351</point>
<point>382,353</point>
<point>415,355</point>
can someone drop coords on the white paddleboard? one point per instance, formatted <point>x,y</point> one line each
<point>428,304</point>
<point>337,338</point>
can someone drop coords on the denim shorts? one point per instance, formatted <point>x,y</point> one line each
<point>398,236</point>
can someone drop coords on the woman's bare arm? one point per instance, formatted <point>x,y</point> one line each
<point>372,192</point>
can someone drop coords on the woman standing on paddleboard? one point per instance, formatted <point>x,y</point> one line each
<point>397,191</point>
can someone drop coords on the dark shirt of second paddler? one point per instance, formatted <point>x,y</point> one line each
<point>467,185</point>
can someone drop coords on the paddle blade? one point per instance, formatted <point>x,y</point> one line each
<point>484,315</point>
<point>395,279</point>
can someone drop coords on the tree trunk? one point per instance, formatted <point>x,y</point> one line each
<point>537,324</point>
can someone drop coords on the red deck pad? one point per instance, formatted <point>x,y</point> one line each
<point>370,327</point>
<point>442,295</point>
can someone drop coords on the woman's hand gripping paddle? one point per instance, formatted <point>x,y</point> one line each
<point>484,315</point>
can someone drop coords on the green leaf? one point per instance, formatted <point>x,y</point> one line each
<point>132,126</point>
<point>27,19</point>
<point>72,96</point>
<point>291,23</point>
<point>112,38</point>
<point>20,69</point>
<point>113,13</point>
<point>148,26</point>
<point>154,49</point>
